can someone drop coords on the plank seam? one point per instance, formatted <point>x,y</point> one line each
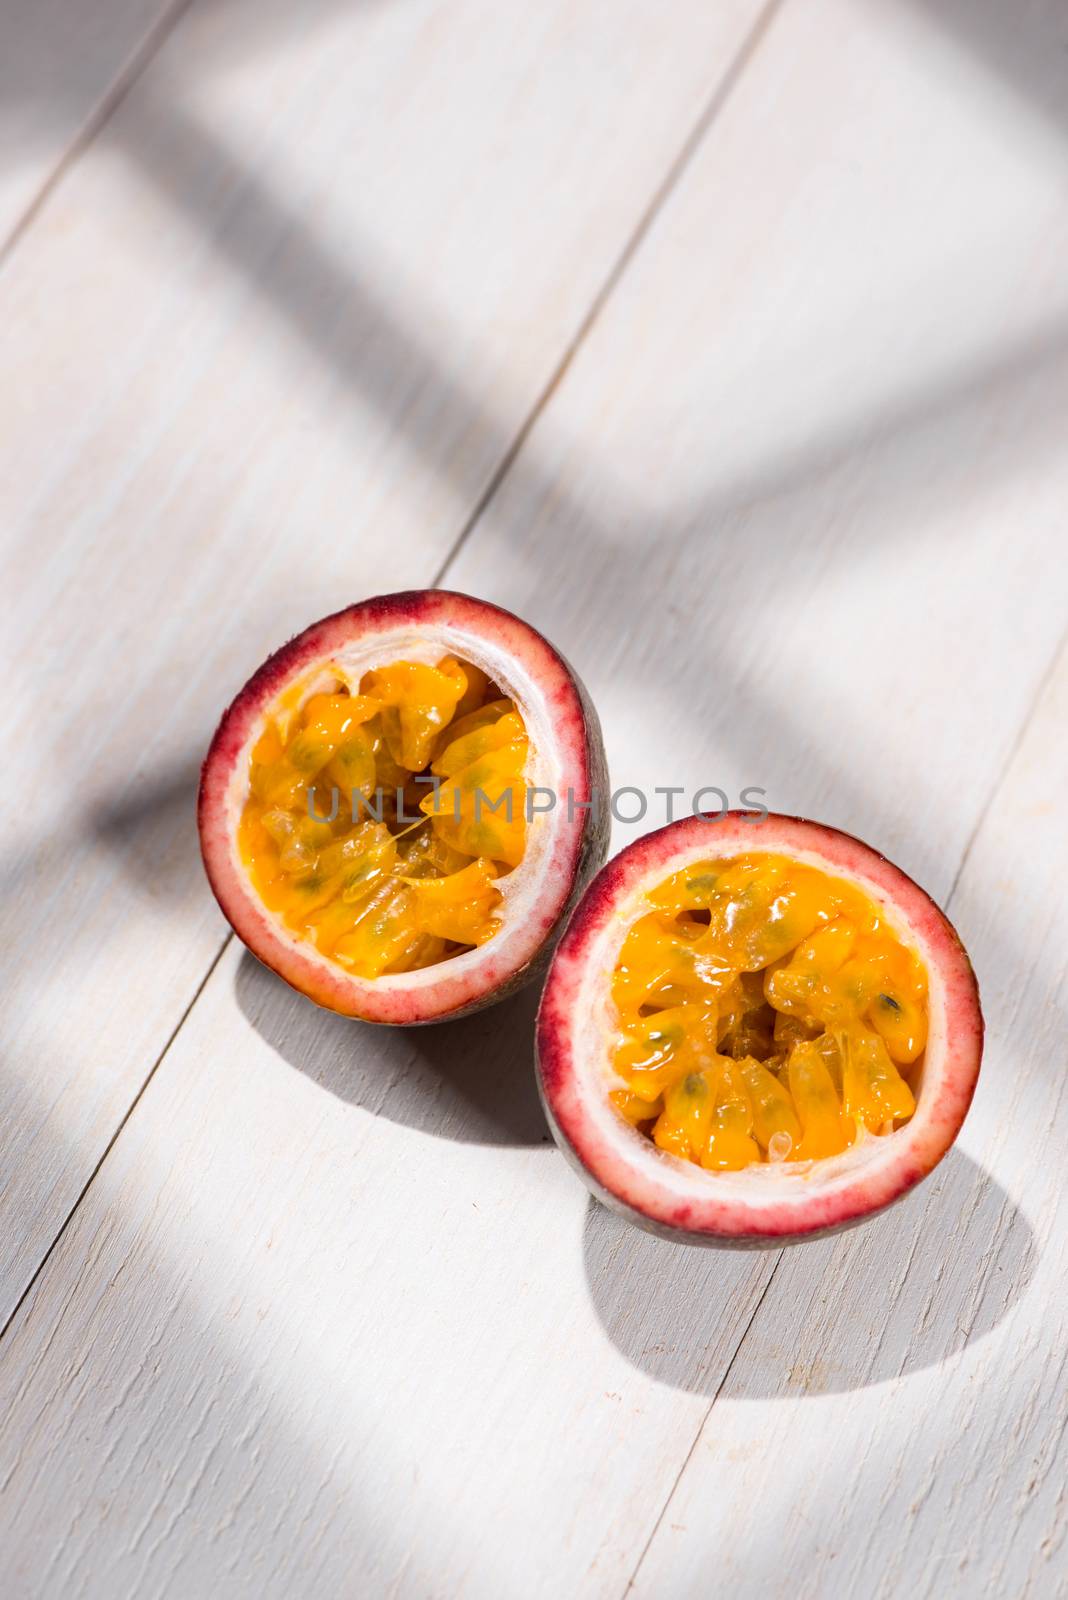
<point>127,1114</point>
<point>700,1430</point>
<point>640,232</point>
<point>124,82</point>
<point>995,789</point>
<point>110,102</point>
<point>1010,757</point>
<point>128,74</point>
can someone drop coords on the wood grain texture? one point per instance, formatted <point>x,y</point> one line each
<point>342,1342</point>
<point>333,1317</point>
<point>898,1409</point>
<point>254,385</point>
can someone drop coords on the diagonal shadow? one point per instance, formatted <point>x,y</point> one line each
<point>354,329</point>
<point>50,57</point>
<point>357,333</point>
<point>1023,45</point>
<point>350,324</point>
<point>364,344</point>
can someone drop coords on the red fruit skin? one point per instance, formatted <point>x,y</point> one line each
<point>451,996</point>
<point>608,1166</point>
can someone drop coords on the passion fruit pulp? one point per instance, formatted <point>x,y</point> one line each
<point>326,834</point>
<point>756,1031</point>
<point>367,809</point>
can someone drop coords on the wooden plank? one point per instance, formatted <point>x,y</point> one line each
<point>898,1408</point>
<point>61,68</point>
<point>788,510</point>
<point>327,1309</point>
<point>345,1328</point>
<point>254,384</point>
<point>837,475</point>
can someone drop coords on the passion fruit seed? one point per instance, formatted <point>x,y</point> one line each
<point>385,894</point>
<point>763,1011</point>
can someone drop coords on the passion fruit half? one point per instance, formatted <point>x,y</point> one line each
<point>756,1030</point>
<point>401,806</point>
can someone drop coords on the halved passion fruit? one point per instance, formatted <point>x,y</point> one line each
<point>400,807</point>
<point>756,1031</point>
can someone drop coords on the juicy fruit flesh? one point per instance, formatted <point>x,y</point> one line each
<point>419,770</point>
<point>765,1012</point>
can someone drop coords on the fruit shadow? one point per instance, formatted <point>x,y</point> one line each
<point>151,828</point>
<point>933,1274</point>
<point>470,1080</point>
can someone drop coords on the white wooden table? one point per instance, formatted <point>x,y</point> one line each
<point>727,341</point>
